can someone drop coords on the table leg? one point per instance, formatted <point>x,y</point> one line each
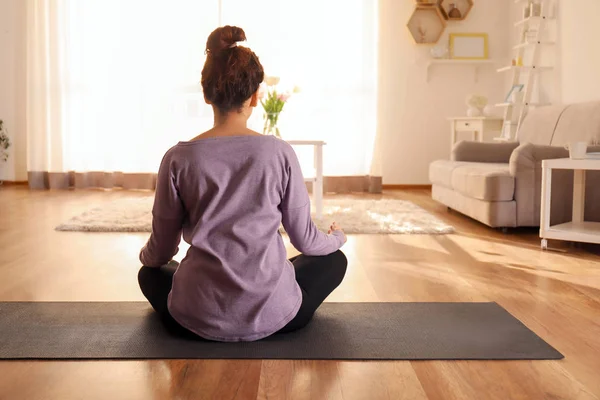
<point>578,195</point>
<point>318,186</point>
<point>545,206</point>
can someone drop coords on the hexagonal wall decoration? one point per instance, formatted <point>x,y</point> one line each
<point>426,24</point>
<point>455,10</point>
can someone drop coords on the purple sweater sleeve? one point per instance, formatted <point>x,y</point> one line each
<point>167,219</point>
<point>296,218</point>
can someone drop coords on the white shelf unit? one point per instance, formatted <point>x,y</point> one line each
<point>524,68</point>
<point>527,72</point>
<point>585,231</point>
<point>577,230</point>
<point>531,44</point>
<point>536,104</point>
<point>474,64</point>
<point>531,19</point>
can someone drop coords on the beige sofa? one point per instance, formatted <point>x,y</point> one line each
<point>499,184</point>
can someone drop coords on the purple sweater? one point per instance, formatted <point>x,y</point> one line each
<point>228,196</point>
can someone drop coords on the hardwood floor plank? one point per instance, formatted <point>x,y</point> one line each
<point>390,380</point>
<point>556,294</point>
<point>336,380</point>
<point>498,380</point>
<point>299,379</point>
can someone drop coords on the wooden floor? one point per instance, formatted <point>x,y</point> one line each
<point>556,294</point>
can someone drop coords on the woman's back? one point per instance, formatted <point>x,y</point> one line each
<point>232,193</point>
<point>228,191</point>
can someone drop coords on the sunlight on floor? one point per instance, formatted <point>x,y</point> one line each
<point>563,266</point>
<point>424,242</point>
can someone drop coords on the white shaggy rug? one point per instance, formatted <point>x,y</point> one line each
<point>353,215</point>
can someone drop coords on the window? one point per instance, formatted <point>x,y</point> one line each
<point>132,68</point>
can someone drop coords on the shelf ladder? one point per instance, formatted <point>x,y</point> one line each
<point>524,74</point>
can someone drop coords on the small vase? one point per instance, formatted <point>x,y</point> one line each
<point>439,51</point>
<point>454,12</point>
<point>270,127</point>
<point>473,112</point>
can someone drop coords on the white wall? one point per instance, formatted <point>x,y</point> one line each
<point>413,129</point>
<point>12,86</point>
<point>580,50</point>
<point>413,113</point>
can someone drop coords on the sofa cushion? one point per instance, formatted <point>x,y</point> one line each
<point>539,124</point>
<point>484,181</point>
<point>440,171</point>
<point>492,213</point>
<point>578,122</point>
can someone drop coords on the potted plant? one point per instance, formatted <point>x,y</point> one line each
<point>272,103</point>
<point>4,143</point>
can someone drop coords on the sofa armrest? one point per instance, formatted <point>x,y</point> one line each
<point>483,152</point>
<point>528,156</point>
<point>526,168</point>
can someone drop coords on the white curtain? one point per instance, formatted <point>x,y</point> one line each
<point>112,84</point>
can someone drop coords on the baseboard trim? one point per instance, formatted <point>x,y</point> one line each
<point>406,187</point>
<point>356,184</point>
<point>14,183</point>
<point>350,184</point>
<point>41,180</point>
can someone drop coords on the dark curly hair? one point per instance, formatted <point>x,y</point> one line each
<point>231,73</point>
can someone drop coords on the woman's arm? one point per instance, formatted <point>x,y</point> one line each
<point>306,237</point>
<point>296,218</point>
<point>167,218</point>
<point>163,243</point>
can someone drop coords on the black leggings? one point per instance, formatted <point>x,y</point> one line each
<point>316,276</point>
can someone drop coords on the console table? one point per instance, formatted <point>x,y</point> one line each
<point>318,164</point>
<point>475,125</point>
<point>577,230</point>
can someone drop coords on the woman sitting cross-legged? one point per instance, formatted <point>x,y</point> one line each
<point>228,190</point>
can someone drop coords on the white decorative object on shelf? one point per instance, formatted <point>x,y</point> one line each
<point>476,104</point>
<point>439,51</point>
<point>473,112</point>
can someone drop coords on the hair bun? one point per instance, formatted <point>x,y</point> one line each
<point>223,38</point>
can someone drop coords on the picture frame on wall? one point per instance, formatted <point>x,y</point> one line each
<point>469,46</point>
<point>511,93</point>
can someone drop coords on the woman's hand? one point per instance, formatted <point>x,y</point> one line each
<point>336,227</point>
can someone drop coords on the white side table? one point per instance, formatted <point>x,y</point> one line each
<point>318,179</point>
<point>476,125</point>
<point>577,230</point>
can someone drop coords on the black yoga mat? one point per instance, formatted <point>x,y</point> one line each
<point>343,331</point>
